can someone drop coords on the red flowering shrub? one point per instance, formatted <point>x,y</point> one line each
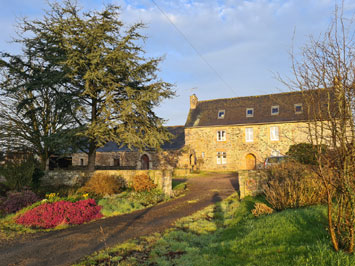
<point>49,215</point>
<point>17,200</point>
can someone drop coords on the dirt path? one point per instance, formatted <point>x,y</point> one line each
<point>67,246</point>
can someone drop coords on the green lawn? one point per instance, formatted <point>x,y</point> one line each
<point>228,234</point>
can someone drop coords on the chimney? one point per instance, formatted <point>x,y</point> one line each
<point>193,101</point>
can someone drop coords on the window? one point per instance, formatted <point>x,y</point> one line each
<point>249,134</point>
<point>250,112</point>
<point>298,108</point>
<point>274,110</point>
<point>221,135</point>
<point>224,158</point>
<point>116,162</point>
<point>274,153</point>
<point>203,155</point>
<point>221,114</point>
<point>81,162</point>
<point>221,157</point>
<point>274,133</point>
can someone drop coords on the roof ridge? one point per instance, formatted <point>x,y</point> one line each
<point>253,96</point>
<point>175,126</point>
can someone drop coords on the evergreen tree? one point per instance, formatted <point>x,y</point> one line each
<point>104,71</point>
<point>35,108</point>
<point>115,84</point>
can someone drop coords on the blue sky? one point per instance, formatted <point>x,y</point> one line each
<point>245,42</point>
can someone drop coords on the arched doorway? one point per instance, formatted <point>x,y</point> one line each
<point>250,161</point>
<point>145,162</point>
<point>192,160</point>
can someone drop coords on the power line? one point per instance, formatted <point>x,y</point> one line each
<point>193,47</point>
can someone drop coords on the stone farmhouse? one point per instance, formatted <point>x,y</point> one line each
<point>240,133</point>
<point>222,134</point>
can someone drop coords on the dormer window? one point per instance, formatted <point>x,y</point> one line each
<point>274,110</point>
<point>221,114</point>
<point>298,108</point>
<point>250,112</point>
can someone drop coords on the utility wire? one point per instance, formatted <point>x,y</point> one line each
<point>193,47</point>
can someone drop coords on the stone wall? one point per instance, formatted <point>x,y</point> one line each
<point>203,145</point>
<point>162,178</point>
<point>157,160</point>
<point>251,182</point>
<point>108,158</point>
<point>181,172</point>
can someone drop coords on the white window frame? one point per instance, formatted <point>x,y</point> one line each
<point>298,105</point>
<point>221,116</point>
<point>224,158</point>
<point>275,153</point>
<point>221,135</point>
<point>274,133</point>
<point>249,134</point>
<point>203,154</point>
<point>219,158</point>
<point>278,109</point>
<point>252,112</point>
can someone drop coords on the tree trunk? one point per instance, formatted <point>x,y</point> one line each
<point>351,244</point>
<point>92,145</point>
<point>47,164</point>
<point>330,222</point>
<point>92,156</point>
<point>44,162</point>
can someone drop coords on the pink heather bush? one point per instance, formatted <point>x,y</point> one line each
<point>17,200</point>
<point>49,215</point>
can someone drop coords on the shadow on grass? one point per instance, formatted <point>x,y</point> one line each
<point>218,214</point>
<point>178,181</point>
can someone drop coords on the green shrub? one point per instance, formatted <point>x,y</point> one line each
<point>129,201</point>
<point>147,198</point>
<point>61,190</point>
<point>305,153</point>
<point>142,182</point>
<point>38,173</point>
<point>18,174</point>
<point>117,205</point>
<point>103,184</point>
<point>293,185</point>
<point>3,190</point>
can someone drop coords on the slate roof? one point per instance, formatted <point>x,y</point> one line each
<point>206,112</point>
<point>174,144</point>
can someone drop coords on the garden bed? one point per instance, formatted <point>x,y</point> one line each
<point>121,203</point>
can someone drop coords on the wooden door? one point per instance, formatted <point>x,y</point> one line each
<point>145,162</point>
<point>250,162</point>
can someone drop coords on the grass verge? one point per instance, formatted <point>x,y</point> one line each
<point>228,234</point>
